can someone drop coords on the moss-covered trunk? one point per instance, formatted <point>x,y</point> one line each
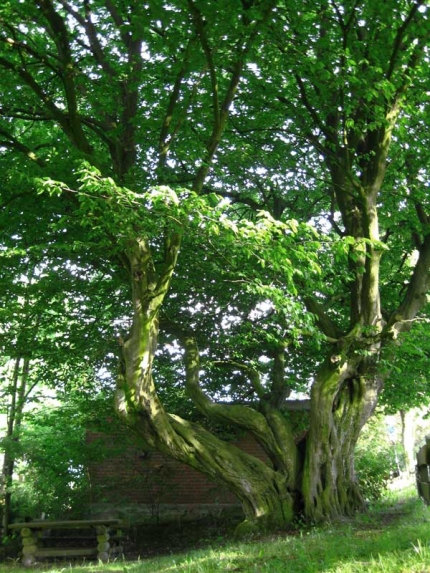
<point>342,400</point>
<point>263,492</point>
<point>266,493</point>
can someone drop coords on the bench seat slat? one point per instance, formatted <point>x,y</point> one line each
<point>69,552</point>
<point>77,524</point>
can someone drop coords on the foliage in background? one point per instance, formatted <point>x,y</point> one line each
<point>57,332</point>
<point>377,458</point>
<point>52,476</point>
<point>407,384</point>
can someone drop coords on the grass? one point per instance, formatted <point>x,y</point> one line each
<point>393,537</point>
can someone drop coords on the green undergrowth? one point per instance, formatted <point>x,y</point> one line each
<point>392,537</point>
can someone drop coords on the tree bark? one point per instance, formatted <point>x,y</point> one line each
<point>342,400</point>
<point>266,493</point>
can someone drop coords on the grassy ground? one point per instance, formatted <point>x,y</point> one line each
<point>393,537</point>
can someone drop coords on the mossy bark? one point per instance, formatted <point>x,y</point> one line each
<point>263,492</point>
<point>266,493</point>
<point>343,397</point>
<point>342,400</point>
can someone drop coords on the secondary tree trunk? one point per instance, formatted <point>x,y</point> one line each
<point>265,492</point>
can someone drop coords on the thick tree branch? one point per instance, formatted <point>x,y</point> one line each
<point>253,375</point>
<point>200,28</point>
<point>165,141</point>
<point>416,294</point>
<point>218,127</point>
<point>279,390</point>
<point>90,29</point>
<point>117,18</point>
<point>241,416</point>
<point>400,36</point>
<point>326,325</point>
<point>70,121</point>
<point>307,104</point>
<point>24,48</point>
<point>223,109</point>
<point>18,113</point>
<point>60,36</point>
<point>14,143</point>
<point>422,215</point>
<point>28,79</point>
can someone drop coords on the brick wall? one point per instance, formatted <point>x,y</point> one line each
<point>125,473</point>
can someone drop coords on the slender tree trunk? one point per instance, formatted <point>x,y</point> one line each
<point>18,395</point>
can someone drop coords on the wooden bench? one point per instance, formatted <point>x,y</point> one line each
<point>35,540</point>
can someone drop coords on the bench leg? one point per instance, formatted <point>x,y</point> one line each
<point>29,540</point>
<point>103,544</point>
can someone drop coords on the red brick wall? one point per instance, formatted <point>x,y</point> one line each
<point>129,475</point>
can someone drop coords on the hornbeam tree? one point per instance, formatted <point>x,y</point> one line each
<point>259,169</point>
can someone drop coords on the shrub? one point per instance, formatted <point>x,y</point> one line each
<point>376,459</point>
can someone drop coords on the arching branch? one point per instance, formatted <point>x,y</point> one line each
<point>241,416</point>
<point>416,294</point>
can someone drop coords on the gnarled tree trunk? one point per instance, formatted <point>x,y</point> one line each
<point>342,402</point>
